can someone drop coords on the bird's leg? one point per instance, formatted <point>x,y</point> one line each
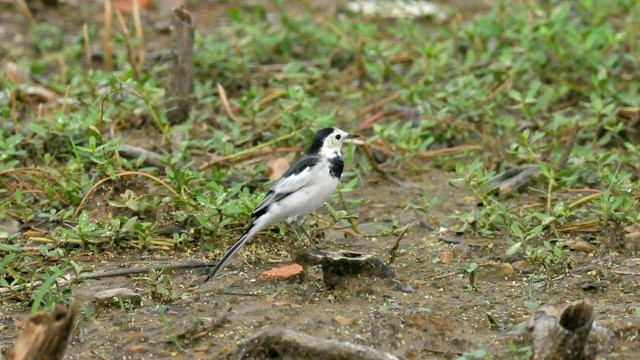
<point>295,230</point>
<point>314,245</point>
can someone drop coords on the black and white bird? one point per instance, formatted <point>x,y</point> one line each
<point>303,188</point>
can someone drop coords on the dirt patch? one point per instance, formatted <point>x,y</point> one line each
<point>443,318</point>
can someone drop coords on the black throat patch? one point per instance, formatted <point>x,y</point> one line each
<point>336,165</point>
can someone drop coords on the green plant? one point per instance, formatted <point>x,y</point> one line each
<point>471,270</point>
<point>523,352</point>
<point>161,289</point>
<point>478,354</point>
<point>171,338</point>
<point>491,214</point>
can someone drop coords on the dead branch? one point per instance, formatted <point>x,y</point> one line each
<point>133,153</point>
<point>146,269</point>
<point>568,146</point>
<point>372,159</point>
<point>394,248</point>
<point>24,9</point>
<point>179,87</point>
<point>449,151</point>
<point>566,334</point>
<point>470,242</point>
<point>127,41</point>
<point>514,179</point>
<point>288,344</point>
<point>46,335</point>
<point>106,39</point>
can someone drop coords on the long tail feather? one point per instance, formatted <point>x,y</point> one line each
<point>252,230</point>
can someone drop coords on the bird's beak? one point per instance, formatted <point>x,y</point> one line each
<point>352,136</point>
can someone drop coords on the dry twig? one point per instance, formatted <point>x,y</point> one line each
<point>87,45</point>
<point>127,42</point>
<point>106,40</point>
<point>394,248</point>
<point>139,35</point>
<point>24,9</point>
<point>146,269</point>
<point>179,94</point>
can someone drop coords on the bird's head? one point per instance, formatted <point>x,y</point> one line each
<point>329,140</point>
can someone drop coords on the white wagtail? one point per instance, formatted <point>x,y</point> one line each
<point>303,188</point>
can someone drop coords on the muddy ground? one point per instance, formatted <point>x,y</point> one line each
<point>444,318</point>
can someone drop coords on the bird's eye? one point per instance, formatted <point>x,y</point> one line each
<point>338,136</point>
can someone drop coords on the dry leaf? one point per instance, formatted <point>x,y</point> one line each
<point>633,236</point>
<point>287,303</point>
<point>139,349</point>
<point>580,245</point>
<point>631,228</point>
<point>368,124</point>
<point>276,168</point>
<point>523,266</point>
<point>629,112</point>
<point>16,74</point>
<point>446,257</point>
<point>131,335</point>
<point>343,321</point>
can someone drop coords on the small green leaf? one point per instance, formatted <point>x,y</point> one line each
<point>7,259</point>
<point>534,232</point>
<point>530,305</point>
<point>11,248</point>
<point>351,184</point>
<point>37,301</point>
<point>83,219</point>
<point>533,89</point>
<point>127,75</point>
<point>115,224</point>
<point>515,95</point>
<point>515,227</point>
<point>129,224</point>
<point>234,14</point>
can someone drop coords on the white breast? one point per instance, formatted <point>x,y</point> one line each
<point>309,198</point>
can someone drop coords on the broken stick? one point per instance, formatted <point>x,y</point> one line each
<point>179,89</point>
<point>46,335</point>
<point>567,333</point>
<point>146,269</point>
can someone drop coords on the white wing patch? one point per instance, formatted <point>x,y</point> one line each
<point>284,187</point>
